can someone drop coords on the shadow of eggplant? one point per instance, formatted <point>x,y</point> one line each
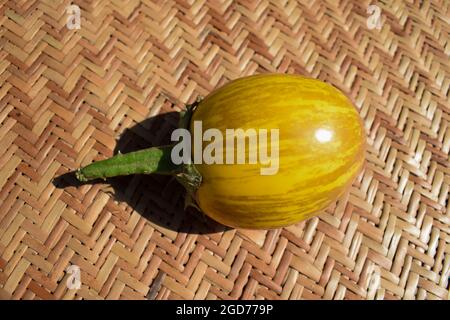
<point>158,198</point>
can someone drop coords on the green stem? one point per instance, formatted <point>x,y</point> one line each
<point>146,161</point>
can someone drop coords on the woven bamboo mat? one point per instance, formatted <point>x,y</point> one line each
<point>71,96</point>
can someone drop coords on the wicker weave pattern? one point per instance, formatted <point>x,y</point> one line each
<point>66,96</point>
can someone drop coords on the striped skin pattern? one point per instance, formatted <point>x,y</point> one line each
<point>313,170</point>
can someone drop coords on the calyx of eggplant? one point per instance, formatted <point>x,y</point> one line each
<point>126,164</point>
<point>189,176</point>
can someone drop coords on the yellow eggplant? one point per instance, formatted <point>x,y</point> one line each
<point>321,146</point>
